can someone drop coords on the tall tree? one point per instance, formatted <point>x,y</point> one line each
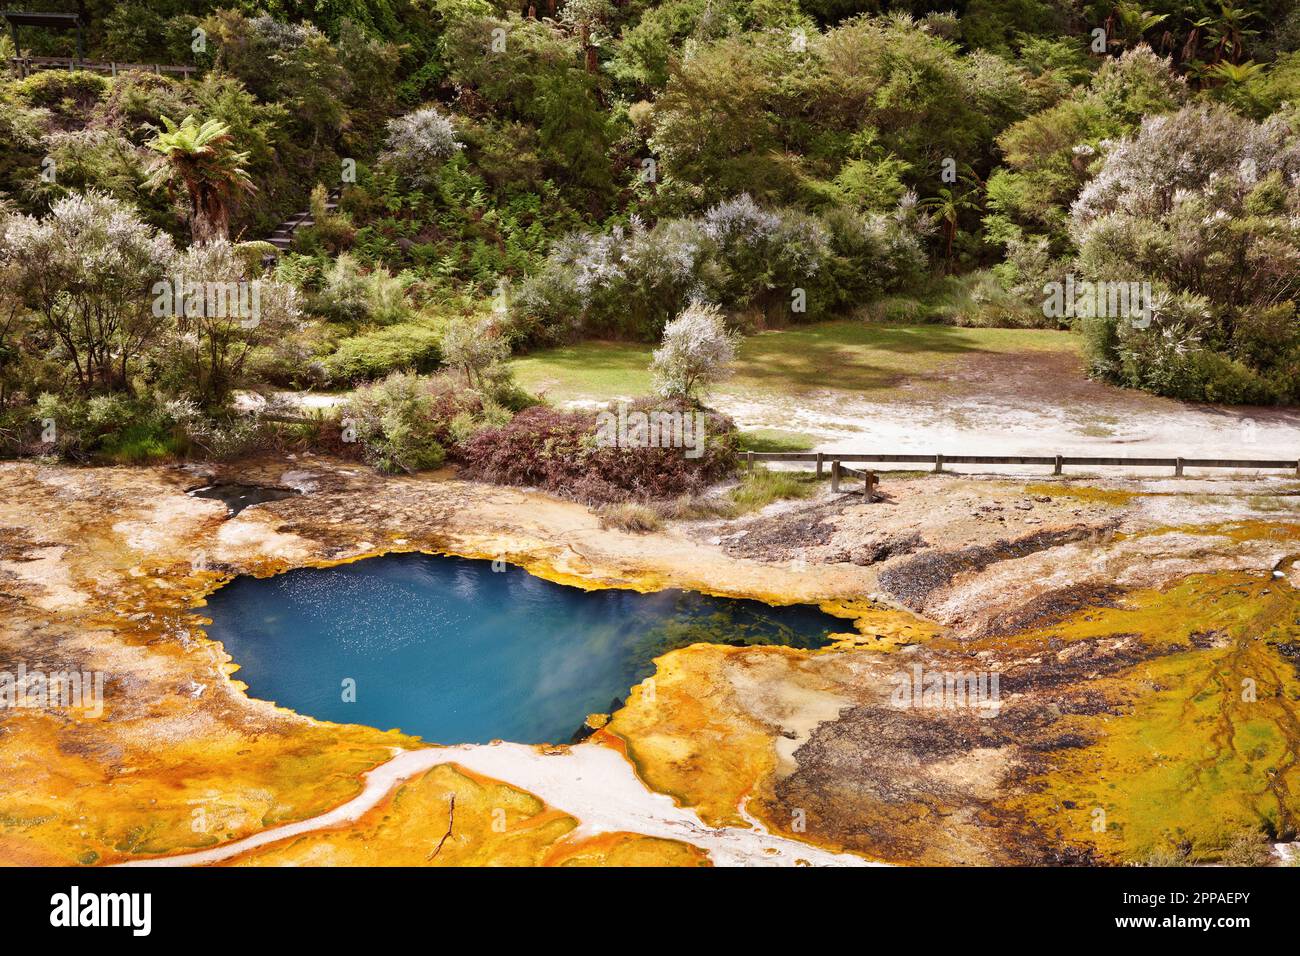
<point>588,18</point>
<point>202,159</point>
<point>947,207</point>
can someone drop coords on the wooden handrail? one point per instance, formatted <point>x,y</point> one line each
<point>28,64</point>
<point>1056,461</point>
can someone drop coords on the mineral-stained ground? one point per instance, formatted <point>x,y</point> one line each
<point>1145,635</point>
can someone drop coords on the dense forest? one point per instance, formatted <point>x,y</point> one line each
<point>487,178</point>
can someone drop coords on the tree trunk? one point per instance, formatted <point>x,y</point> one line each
<point>211,221</point>
<point>584,37</point>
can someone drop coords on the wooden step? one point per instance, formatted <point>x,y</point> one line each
<point>282,237</point>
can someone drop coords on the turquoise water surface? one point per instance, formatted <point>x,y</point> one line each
<point>455,652</point>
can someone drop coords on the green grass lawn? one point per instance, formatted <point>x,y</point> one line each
<point>587,370</point>
<point>776,439</point>
<point>849,355</point>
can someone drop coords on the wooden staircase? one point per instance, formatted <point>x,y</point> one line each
<point>282,237</point>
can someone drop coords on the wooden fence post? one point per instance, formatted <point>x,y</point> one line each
<point>869,489</point>
<point>938,463</point>
<point>1057,469</point>
<point>835,477</point>
<point>819,464</point>
<point>749,461</point>
<point>1178,467</point>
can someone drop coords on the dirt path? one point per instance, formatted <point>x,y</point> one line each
<point>1033,403</point>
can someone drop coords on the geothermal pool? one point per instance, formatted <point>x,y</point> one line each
<point>455,652</point>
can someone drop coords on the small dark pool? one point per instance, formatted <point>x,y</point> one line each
<point>238,497</point>
<point>455,652</point>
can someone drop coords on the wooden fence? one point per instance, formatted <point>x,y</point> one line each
<point>27,65</point>
<point>837,461</point>
<point>868,479</point>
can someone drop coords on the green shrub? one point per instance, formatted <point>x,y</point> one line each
<point>69,93</point>
<point>395,424</point>
<point>1175,357</point>
<point>780,262</point>
<point>1199,204</point>
<point>742,113</point>
<point>980,300</point>
<point>105,428</point>
<point>1203,375</point>
<point>412,346</point>
<point>410,423</point>
<point>220,438</point>
<point>350,295</point>
<point>141,443</point>
<point>987,298</point>
<point>331,231</point>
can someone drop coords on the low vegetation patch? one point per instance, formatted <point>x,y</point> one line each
<point>763,486</point>
<point>408,423</point>
<point>633,518</point>
<point>561,452</point>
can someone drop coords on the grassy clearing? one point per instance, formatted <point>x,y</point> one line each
<point>846,355</point>
<point>775,440</point>
<point>600,371</point>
